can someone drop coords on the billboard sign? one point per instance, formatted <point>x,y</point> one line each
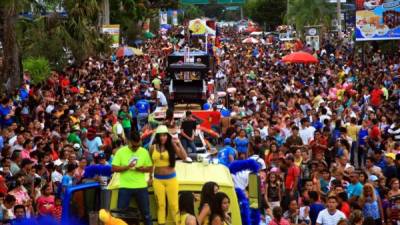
<point>113,31</point>
<point>377,20</point>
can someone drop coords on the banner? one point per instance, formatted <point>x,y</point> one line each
<point>199,27</point>
<point>146,25</point>
<point>175,18</point>
<point>113,31</point>
<point>377,21</point>
<point>163,17</point>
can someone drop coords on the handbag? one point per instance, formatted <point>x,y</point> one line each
<point>114,182</point>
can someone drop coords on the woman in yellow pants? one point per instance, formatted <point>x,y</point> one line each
<point>163,152</point>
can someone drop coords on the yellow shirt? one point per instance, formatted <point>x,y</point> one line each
<point>352,131</point>
<point>160,159</point>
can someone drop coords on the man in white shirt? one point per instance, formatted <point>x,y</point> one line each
<point>161,99</point>
<point>306,132</point>
<point>330,215</point>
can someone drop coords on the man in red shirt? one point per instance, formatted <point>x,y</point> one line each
<point>292,178</point>
<point>215,119</point>
<point>376,96</point>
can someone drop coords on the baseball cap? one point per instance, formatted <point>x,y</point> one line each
<point>76,146</point>
<point>58,162</point>
<point>227,141</point>
<point>391,155</point>
<point>373,178</point>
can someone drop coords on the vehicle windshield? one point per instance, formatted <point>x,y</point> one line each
<point>187,75</point>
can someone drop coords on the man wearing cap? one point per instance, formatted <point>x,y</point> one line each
<point>143,109</point>
<point>391,170</point>
<point>133,162</point>
<point>227,154</point>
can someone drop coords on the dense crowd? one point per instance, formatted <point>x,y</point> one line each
<point>326,135</point>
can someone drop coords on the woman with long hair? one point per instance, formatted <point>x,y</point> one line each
<point>220,209</point>
<point>394,188</point>
<point>273,188</point>
<point>242,144</point>
<point>371,204</point>
<point>207,197</point>
<point>277,212</point>
<point>163,152</point>
<point>186,208</point>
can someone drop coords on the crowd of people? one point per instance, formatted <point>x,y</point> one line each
<point>326,135</point>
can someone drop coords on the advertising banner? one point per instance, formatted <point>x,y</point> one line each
<point>113,31</point>
<point>377,20</point>
<point>199,27</point>
<point>163,17</point>
<point>175,18</point>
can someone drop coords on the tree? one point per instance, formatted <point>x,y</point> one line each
<point>12,69</point>
<point>268,12</point>
<point>191,11</point>
<point>38,68</point>
<point>310,12</point>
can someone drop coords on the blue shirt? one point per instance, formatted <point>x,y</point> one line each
<point>4,111</point>
<point>23,94</point>
<point>361,135</point>
<point>142,106</point>
<point>371,209</point>
<point>133,111</point>
<point>354,190</point>
<point>224,153</point>
<point>317,125</point>
<point>315,208</point>
<point>242,145</point>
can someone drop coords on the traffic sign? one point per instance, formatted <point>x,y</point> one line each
<point>195,1</point>
<point>230,1</point>
<point>232,8</point>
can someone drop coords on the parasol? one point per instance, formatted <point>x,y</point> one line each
<point>299,57</point>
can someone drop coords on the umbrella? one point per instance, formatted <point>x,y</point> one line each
<point>250,40</point>
<point>299,57</point>
<point>149,35</point>
<point>124,52</point>
<point>136,51</point>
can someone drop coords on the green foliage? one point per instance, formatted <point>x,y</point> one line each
<point>38,68</point>
<point>266,12</point>
<point>310,12</point>
<point>191,12</point>
<point>57,38</point>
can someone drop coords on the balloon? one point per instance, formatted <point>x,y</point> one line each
<point>333,93</point>
<point>225,113</point>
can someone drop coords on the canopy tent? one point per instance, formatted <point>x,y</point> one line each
<point>250,40</point>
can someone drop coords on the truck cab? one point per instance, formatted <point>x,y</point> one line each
<point>187,76</point>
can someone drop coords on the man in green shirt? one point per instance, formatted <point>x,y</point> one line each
<point>133,162</point>
<point>126,117</point>
<point>73,137</point>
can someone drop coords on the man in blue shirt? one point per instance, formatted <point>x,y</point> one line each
<point>226,154</point>
<point>355,188</point>
<point>134,112</point>
<point>315,206</point>
<point>6,113</point>
<point>143,111</point>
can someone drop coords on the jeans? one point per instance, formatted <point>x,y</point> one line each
<point>189,146</point>
<point>141,196</point>
<point>142,120</point>
<point>127,132</point>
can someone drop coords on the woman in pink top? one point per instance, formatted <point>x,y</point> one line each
<point>278,220</point>
<point>45,203</point>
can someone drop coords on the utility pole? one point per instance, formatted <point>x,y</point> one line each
<point>339,18</point>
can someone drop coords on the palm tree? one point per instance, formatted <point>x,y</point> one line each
<point>309,12</point>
